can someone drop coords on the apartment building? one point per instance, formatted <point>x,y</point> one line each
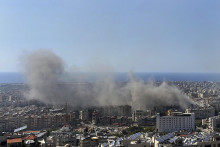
<point>176,122</point>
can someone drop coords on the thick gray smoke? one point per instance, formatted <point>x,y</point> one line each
<point>44,71</point>
<point>149,95</point>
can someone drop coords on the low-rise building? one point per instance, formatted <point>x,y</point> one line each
<point>15,142</point>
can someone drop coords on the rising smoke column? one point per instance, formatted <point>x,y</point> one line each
<point>44,71</point>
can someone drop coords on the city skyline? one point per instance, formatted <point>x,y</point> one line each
<point>144,36</point>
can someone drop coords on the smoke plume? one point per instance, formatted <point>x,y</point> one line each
<point>150,95</point>
<point>45,72</point>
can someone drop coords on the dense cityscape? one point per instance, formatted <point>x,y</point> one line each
<point>34,123</point>
<point>109,73</point>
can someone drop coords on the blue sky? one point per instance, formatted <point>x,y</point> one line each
<point>142,35</point>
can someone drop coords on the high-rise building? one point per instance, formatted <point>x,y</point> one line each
<point>176,122</point>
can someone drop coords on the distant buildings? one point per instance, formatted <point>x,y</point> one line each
<point>83,115</point>
<point>137,115</point>
<point>143,117</point>
<point>212,123</point>
<point>176,122</point>
<point>122,110</point>
<point>201,112</point>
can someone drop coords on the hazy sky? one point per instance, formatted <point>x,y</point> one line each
<point>143,35</point>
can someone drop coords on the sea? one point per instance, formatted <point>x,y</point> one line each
<point>15,77</point>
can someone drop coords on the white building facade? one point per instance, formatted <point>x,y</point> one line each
<point>211,122</point>
<point>176,122</point>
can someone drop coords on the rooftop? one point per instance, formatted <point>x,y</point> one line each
<point>15,140</point>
